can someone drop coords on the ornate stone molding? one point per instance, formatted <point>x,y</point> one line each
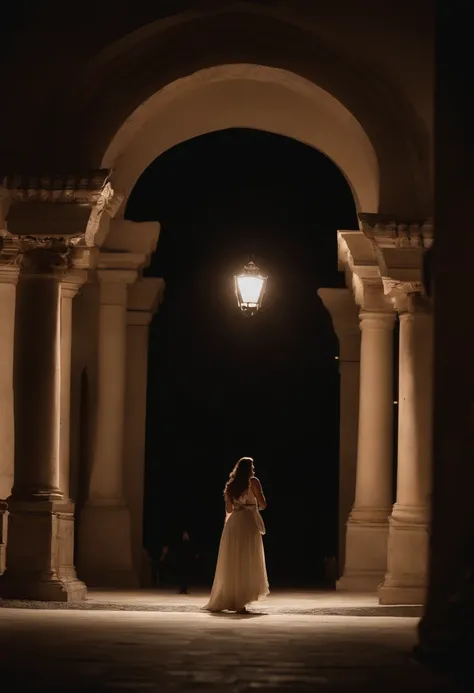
<point>37,254</point>
<point>86,188</point>
<point>406,297</point>
<point>58,205</point>
<point>393,285</point>
<point>369,294</point>
<point>390,232</point>
<point>358,260</point>
<point>105,202</point>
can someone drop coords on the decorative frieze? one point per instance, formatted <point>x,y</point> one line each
<point>37,254</point>
<point>389,232</point>
<point>85,188</point>
<point>65,206</point>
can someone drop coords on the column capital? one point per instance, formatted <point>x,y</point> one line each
<point>9,271</point>
<point>341,306</point>
<point>72,281</point>
<point>37,255</point>
<point>144,299</point>
<point>377,320</point>
<point>407,297</point>
<point>114,285</point>
<point>344,313</point>
<point>369,294</point>
<point>117,261</point>
<point>117,276</point>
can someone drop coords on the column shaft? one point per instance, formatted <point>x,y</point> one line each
<point>135,429</point>
<point>69,288</point>
<point>406,578</point>
<point>105,557</point>
<point>107,472</point>
<point>344,313</point>
<point>367,527</point>
<point>348,434</point>
<point>144,297</point>
<point>41,524</point>
<point>36,373</point>
<point>374,459</point>
<point>415,412</point>
<point>8,280</point>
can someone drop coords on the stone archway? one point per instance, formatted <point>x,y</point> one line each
<point>246,96</point>
<point>257,97</point>
<point>260,97</point>
<point>339,105</point>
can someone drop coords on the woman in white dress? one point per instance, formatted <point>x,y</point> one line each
<point>241,574</point>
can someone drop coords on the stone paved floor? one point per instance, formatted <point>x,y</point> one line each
<point>166,651</point>
<point>322,603</point>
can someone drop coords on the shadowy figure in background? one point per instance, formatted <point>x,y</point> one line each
<point>184,563</point>
<point>182,556</point>
<point>154,560</point>
<point>330,572</point>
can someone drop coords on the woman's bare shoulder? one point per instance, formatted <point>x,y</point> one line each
<point>255,481</point>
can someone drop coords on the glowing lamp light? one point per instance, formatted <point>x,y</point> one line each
<point>249,289</point>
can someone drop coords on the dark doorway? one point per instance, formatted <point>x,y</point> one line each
<point>222,385</point>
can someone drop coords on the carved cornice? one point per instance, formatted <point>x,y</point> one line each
<point>37,254</point>
<point>85,188</point>
<point>63,205</point>
<point>390,232</point>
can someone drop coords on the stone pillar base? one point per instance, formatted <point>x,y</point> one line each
<point>3,535</point>
<point>401,594</point>
<point>366,555</point>
<point>407,561</point>
<point>40,553</point>
<point>105,547</point>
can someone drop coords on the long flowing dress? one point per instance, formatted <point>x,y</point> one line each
<point>241,574</point>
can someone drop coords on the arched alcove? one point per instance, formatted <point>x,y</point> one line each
<point>221,386</point>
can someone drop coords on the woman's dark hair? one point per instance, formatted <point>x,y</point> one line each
<point>239,478</point>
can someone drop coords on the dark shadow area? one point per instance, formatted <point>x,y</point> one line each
<point>222,385</point>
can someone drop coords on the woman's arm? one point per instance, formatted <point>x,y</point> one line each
<point>258,493</point>
<point>228,505</point>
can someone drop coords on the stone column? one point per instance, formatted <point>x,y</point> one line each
<point>8,281</point>
<point>345,318</point>
<point>70,285</point>
<point>406,578</point>
<point>41,523</point>
<point>143,299</point>
<point>105,557</point>
<point>446,630</point>
<point>367,527</point>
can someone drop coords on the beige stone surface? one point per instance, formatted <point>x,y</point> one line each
<point>286,69</point>
<point>166,652</point>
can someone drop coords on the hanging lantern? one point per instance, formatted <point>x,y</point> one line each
<point>249,288</point>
